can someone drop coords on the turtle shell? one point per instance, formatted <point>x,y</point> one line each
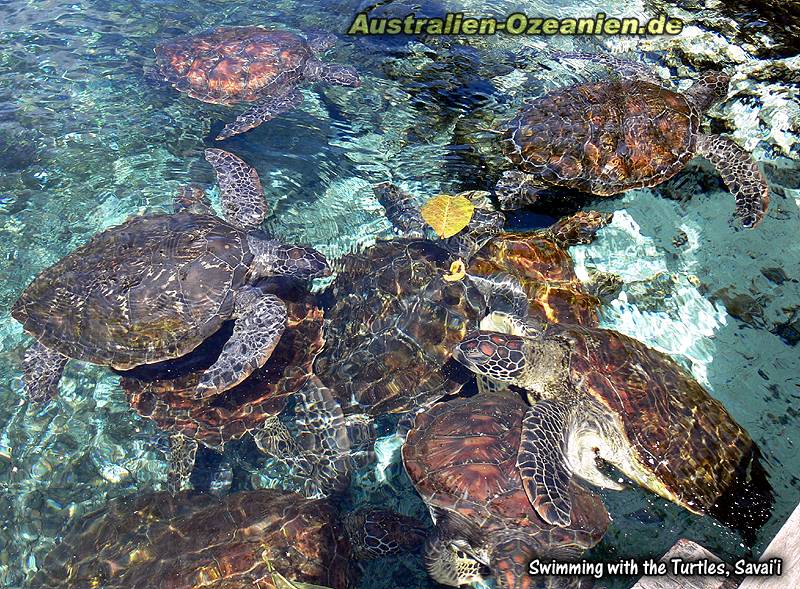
<point>192,540</point>
<point>685,437</point>
<point>150,289</point>
<point>545,270</point>
<point>165,393</point>
<point>393,324</point>
<point>234,64</point>
<point>461,456</point>
<point>605,137</point>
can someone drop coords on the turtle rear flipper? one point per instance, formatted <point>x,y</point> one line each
<point>264,110</point>
<point>42,368</point>
<point>260,322</point>
<point>182,455</point>
<point>240,189</point>
<point>515,190</point>
<point>741,175</point>
<point>542,461</point>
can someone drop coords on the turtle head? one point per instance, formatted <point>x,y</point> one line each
<point>378,532</point>
<point>708,90</point>
<point>272,258</point>
<point>499,356</point>
<point>452,563</point>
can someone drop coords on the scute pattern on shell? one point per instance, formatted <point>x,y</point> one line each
<point>150,289</point>
<point>462,456</point>
<point>604,138</point>
<point>393,325</point>
<point>234,64</point>
<point>684,435</point>
<point>546,272</point>
<point>190,540</point>
<point>170,402</point>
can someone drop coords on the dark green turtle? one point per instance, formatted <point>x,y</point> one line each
<point>157,286</point>
<point>600,395</point>
<point>264,539</point>
<point>607,137</point>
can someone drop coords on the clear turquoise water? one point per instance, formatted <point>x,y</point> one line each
<point>87,140</point>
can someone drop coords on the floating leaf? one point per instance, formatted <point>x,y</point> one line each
<point>447,214</point>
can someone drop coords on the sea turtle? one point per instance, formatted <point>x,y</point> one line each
<point>157,286</point>
<point>165,393</point>
<point>599,395</point>
<point>230,65</point>
<point>398,309</point>
<point>461,456</point>
<point>610,136</point>
<point>266,538</point>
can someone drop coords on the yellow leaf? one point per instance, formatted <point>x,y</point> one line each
<point>457,271</point>
<point>447,214</point>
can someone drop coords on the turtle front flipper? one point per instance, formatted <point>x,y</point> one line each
<point>515,190</point>
<point>42,368</point>
<point>264,110</point>
<point>260,322</point>
<point>240,189</point>
<point>332,73</point>
<point>741,175</point>
<point>182,454</point>
<point>541,461</point>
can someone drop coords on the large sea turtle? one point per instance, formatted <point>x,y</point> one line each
<point>607,137</point>
<point>600,395</point>
<point>157,286</point>
<point>266,538</point>
<point>398,309</point>
<point>461,456</point>
<point>249,64</point>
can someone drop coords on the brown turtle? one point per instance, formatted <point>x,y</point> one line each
<point>155,287</point>
<point>600,395</point>
<point>541,263</point>
<point>461,456</point>
<point>607,137</point>
<point>230,65</point>
<point>263,539</point>
<point>398,309</point>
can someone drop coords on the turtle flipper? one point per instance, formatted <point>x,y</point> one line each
<point>260,322</point>
<point>323,437</point>
<point>240,189</point>
<point>42,368</point>
<point>274,439</point>
<point>542,464</point>
<point>741,175</point>
<point>182,454</point>
<point>263,111</point>
<point>332,73</point>
<point>515,189</point>
<point>192,198</point>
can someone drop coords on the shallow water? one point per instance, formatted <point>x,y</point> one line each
<point>88,139</point>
